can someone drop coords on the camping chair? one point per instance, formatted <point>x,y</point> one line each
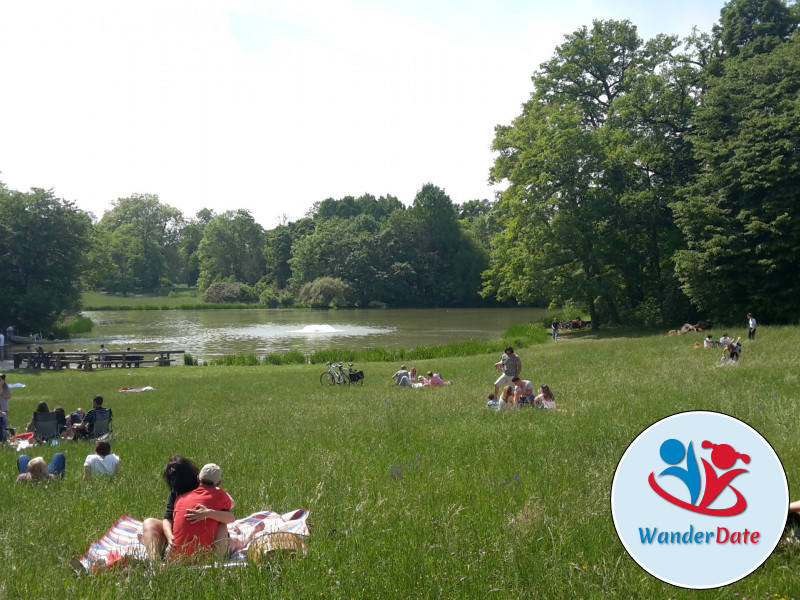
<point>102,422</point>
<point>45,426</point>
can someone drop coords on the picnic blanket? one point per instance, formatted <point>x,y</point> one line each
<point>123,539</point>
<point>146,388</point>
<point>16,385</point>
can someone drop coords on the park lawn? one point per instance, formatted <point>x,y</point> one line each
<point>103,301</point>
<point>419,493</point>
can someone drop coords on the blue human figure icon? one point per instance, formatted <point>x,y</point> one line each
<point>672,452</point>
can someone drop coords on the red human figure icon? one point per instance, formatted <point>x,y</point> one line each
<point>724,457</point>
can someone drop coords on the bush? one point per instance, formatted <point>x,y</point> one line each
<point>224,292</point>
<point>326,292</point>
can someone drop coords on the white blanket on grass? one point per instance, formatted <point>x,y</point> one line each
<point>123,539</point>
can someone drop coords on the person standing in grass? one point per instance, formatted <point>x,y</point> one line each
<point>5,395</point>
<point>511,366</point>
<point>102,462</point>
<point>751,322</point>
<point>554,326</point>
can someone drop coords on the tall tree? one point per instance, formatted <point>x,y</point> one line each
<point>740,214</point>
<point>585,174</point>
<point>142,230</point>
<point>43,243</point>
<point>231,249</point>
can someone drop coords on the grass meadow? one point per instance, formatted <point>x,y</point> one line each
<point>413,493</point>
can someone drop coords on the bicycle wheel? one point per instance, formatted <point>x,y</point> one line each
<point>327,378</point>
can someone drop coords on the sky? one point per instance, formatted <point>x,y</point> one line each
<point>273,105</point>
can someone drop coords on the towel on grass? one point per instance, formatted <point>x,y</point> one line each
<point>122,540</point>
<point>16,385</point>
<point>141,389</point>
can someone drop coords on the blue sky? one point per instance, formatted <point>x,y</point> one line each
<point>273,105</point>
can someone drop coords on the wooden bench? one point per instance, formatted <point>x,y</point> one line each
<point>89,360</point>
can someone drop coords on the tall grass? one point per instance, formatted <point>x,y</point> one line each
<point>413,493</point>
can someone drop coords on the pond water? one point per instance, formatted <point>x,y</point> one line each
<point>209,333</point>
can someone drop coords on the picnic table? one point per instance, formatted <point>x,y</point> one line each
<point>95,360</point>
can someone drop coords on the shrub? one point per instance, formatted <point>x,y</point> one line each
<point>224,292</point>
<point>326,292</point>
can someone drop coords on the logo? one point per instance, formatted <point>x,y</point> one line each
<point>723,456</point>
<point>699,499</point>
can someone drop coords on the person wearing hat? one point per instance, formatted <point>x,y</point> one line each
<point>199,513</point>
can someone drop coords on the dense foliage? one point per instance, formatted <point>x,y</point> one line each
<point>648,181</point>
<point>645,176</point>
<point>43,244</point>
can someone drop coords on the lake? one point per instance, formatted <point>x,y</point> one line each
<point>209,333</point>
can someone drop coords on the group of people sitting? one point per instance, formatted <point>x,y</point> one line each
<point>78,424</point>
<point>36,470</point>
<point>520,393</point>
<point>731,347</point>
<point>406,378</point>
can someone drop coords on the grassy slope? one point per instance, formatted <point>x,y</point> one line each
<point>412,493</point>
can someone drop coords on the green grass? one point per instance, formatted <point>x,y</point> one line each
<point>102,301</point>
<point>412,493</point>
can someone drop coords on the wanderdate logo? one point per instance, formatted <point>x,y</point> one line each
<point>699,499</point>
<point>723,457</point>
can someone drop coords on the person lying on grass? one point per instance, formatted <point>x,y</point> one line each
<point>36,470</point>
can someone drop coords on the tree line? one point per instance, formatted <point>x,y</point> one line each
<point>644,181</point>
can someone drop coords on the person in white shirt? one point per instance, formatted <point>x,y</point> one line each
<point>102,462</point>
<point>725,339</point>
<point>751,321</point>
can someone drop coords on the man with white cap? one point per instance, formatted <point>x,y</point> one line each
<point>199,513</point>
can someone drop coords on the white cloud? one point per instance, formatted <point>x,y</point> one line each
<point>273,105</point>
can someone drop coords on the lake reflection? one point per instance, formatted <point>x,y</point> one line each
<point>208,333</point>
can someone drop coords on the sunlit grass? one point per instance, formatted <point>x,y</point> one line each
<point>412,492</point>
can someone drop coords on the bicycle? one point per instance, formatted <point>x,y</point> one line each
<point>335,375</point>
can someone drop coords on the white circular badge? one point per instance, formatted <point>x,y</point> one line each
<point>699,499</point>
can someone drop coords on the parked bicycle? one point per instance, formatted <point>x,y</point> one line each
<point>336,375</point>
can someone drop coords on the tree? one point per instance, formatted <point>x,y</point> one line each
<point>739,214</point>
<point>588,175</point>
<point>144,232</point>
<point>43,243</point>
<point>754,26</point>
<point>231,248</point>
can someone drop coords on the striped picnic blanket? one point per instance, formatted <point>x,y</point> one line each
<point>122,540</point>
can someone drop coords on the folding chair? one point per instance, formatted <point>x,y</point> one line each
<point>102,422</point>
<point>45,426</point>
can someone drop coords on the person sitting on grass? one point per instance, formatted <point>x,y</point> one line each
<point>102,462</point>
<point>36,470</point>
<point>545,398</point>
<point>402,377</point>
<point>213,505</point>
<point>507,398</point>
<point>181,476</point>
<point>85,428</point>
<point>523,394</point>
